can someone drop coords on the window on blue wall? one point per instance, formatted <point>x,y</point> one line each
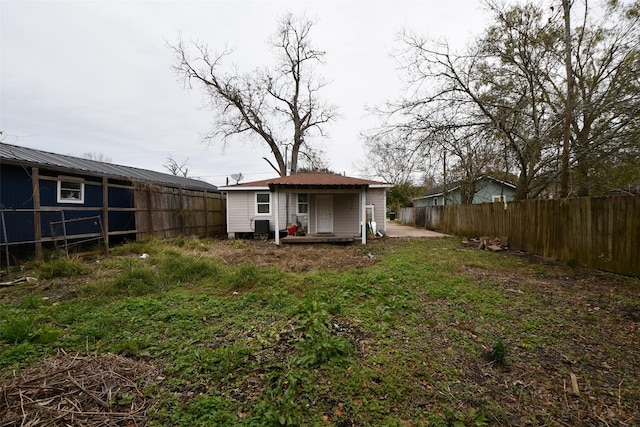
<point>70,191</point>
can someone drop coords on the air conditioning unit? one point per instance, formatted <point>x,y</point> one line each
<point>261,226</point>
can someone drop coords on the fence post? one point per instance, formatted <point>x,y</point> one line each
<point>150,212</point>
<point>37,215</point>
<point>182,212</point>
<point>105,210</point>
<point>205,196</point>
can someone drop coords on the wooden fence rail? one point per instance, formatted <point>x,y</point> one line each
<point>600,232</point>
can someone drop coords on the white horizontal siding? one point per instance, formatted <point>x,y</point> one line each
<point>346,214</point>
<point>241,211</point>
<point>378,198</point>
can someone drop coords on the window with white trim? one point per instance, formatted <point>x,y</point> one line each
<point>497,199</point>
<point>70,191</point>
<point>263,203</point>
<point>303,204</point>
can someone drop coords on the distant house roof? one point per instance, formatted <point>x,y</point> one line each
<point>438,191</point>
<point>21,155</point>
<point>307,180</point>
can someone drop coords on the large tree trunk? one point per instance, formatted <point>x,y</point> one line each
<point>568,108</point>
<point>522,187</point>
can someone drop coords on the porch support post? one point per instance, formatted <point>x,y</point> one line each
<point>363,214</point>
<point>276,211</point>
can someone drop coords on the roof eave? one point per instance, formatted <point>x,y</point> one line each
<point>273,187</point>
<point>241,188</point>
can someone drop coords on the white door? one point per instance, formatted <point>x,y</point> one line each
<point>324,213</point>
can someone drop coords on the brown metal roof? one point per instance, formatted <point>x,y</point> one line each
<point>308,180</point>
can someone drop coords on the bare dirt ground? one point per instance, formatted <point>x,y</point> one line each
<point>298,258</point>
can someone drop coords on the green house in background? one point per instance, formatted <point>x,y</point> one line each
<point>485,189</point>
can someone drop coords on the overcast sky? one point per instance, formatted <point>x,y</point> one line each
<point>95,76</point>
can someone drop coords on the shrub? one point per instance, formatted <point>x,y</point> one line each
<point>318,345</point>
<point>318,348</point>
<point>499,352</point>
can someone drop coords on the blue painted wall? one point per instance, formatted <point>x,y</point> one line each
<point>15,188</point>
<point>16,194</point>
<point>485,190</point>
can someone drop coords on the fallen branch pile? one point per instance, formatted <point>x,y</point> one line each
<point>73,390</point>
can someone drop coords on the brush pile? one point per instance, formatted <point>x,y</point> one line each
<point>73,390</point>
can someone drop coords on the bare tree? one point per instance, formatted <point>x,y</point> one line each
<point>508,91</point>
<point>313,160</point>
<point>395,158</point>
<point>605,151</point>
<point>489,105</point>
<point>176,168</point>
<point>519,70</point>
<point>98,157</point>
<point>281,105</point>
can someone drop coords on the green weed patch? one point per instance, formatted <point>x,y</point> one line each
<point>62,267</point>
<point>432,333</point>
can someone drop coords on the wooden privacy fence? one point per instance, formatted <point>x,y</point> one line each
<point>169,212</point>
<point>600,232</point>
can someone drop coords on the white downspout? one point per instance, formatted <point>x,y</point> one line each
<point>226,194</point>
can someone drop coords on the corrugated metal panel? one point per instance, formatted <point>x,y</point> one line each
<point>22,155</point>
